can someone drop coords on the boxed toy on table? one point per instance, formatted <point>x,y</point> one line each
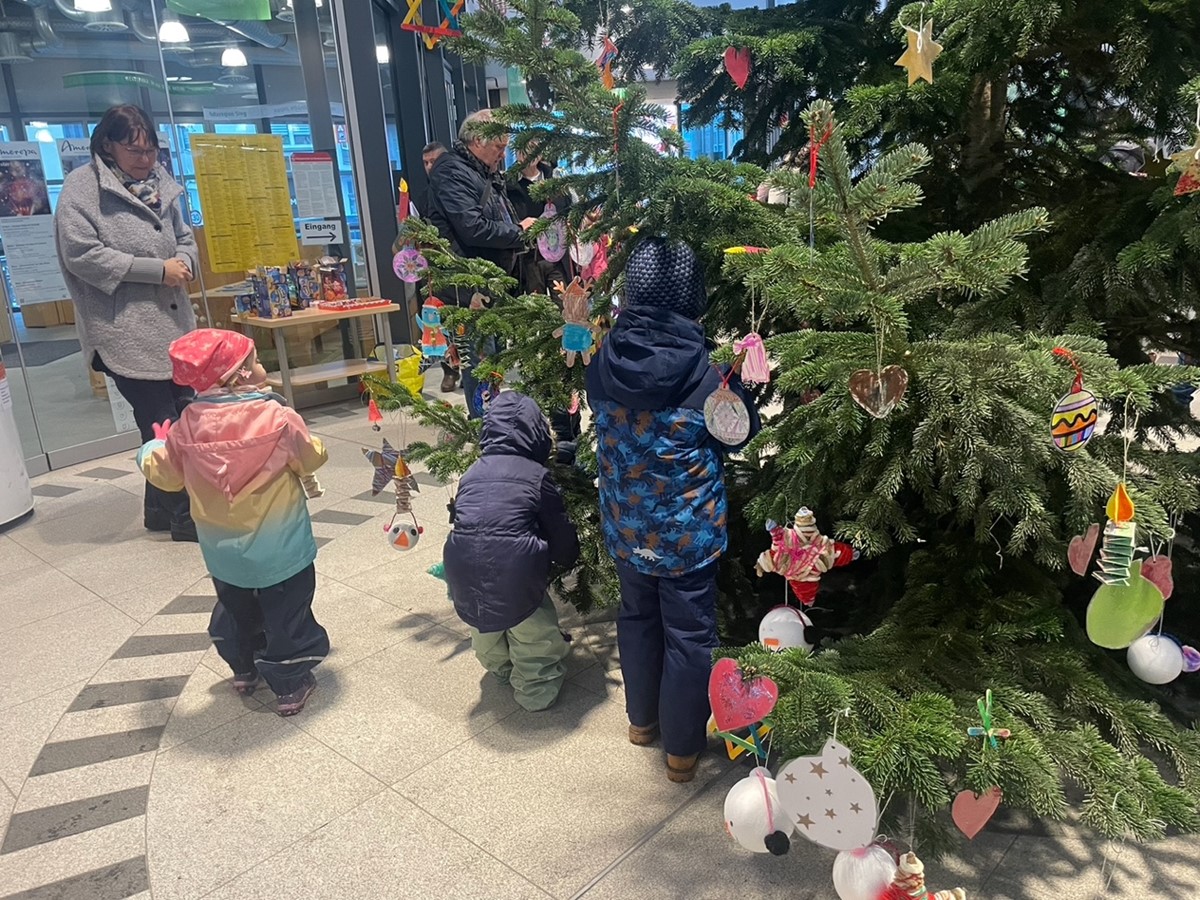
<point>333,279</point>
<point>305,282</point>
<point>271,293</point>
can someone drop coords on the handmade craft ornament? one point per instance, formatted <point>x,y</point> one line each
<point>403,535</point>
<point>801,555</point>
<point>971,811</point>
<point>1119,614</point>
<point>434,342</point>
<point>736,745</point>
<point>577,333</point>
<point>1081,548</point>
<point>879,392</point>
<point>1155,658</point>
<point>374,416</point>
<point>920,54</point>
<point>741,251</point>
<point>385,462</point>
<point>909,883</point>
<point>726,416</point>
<point>1120,536</point>
<point>485,393</point>
<point>755,368</point>
<point>993,734</point>
<point>582,253</point>
<point>863,873</point>
<point>737,701</point>
<point>1191,659</point>
<point>1157,570</point>
<point>737,64</point>
<point>829,800</point>
<point>783,628</point>
<point>1188,162</point>
<point>552,242</point>
<point>754,817</point>
<point>608,56</point>
<point>1076,414</point>
<point>410,265</point>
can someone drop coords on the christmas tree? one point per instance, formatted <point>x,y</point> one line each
<point>956,497</point>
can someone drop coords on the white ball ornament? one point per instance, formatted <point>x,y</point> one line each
<point>754,817</point>
<point>783,628</point>
<point>1155,658</point>
<point>403,535</point>
<point>863,874</point>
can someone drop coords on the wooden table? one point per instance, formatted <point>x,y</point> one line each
<point>287,378</point>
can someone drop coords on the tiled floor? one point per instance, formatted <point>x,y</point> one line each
<point>129,769</point>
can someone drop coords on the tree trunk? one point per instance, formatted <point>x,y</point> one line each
<point>982,197</point>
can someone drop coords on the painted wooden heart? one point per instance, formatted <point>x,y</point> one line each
<point>1157,570</point>
<point>737,64</point>
<point>1081,548</point>
<point>878,393</point>
<point>739,702</point>
<point>972,811</point>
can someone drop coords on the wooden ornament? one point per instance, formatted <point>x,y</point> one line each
<point>971,811</point>
<point>922,50</point>
<point>879,392</point>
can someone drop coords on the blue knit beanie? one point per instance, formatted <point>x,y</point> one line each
<point>665,275</point>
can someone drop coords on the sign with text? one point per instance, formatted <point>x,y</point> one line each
<point>27,226</point>
<point>326,232</point>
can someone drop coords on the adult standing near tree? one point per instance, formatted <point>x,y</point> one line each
<point>127,254</point>
<point>469,205</point>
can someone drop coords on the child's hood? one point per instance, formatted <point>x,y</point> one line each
<point>652,359</point>
<point>515,426</point>
<point>233,442</point>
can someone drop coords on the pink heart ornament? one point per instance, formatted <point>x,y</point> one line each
<point>971,811</point>
<point>1157,570</point>
<point>737,64</point>
<point>1081,548</point>
<point>739,702</point>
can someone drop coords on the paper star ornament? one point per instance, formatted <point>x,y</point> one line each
<point>922,51</point>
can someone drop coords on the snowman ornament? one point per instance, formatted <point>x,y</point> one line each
<point>827,800</point>
<point>754,817</point>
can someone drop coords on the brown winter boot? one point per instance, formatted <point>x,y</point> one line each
<point>682,769</point>
<point>643,736</point>
<point>449,380</point>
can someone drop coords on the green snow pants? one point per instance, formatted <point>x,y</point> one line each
<point>529,657</point>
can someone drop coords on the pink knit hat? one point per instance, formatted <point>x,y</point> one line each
<point>208,357</point>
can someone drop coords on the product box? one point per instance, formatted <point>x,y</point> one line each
<point>306,283</point>
<point>270,293</point>
<point>333,279</point>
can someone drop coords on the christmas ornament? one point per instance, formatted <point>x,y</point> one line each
<point>552,242</point>
<point>1081,548</point>
<point>1191,659</point>
<point>741,251</point>
<point>1155,658</point>
<point>879,392</point>
<point>582,253</point>
<point>433,337</point>
<point>864,873</point>
<point>971,811</point>
<point>989,730</point>
<point>410,265</point>
<point>783,628</point>
<point>755,368</point>
<point>828,799</point>
<point>1120,534</point>
<point>1074,419</point>
<point>605,62</point>
<point>312,487</point>
<point>922,50</point>
<point>577,333</point>
<point>726,416</point>
<point>801,554</point>
<point>909,883</point>
<point>390,466</point>
<point>1119,614</point>
<point>1157,570</point>
<point>374,416</point>
<point>486,392</point>
<point>403,535</point>
<point>385,462</point>
<point>754,817</point>
<point>1187,161</point>
<point>737,64</point>
<point>735,745</point>
<point>739,702</point>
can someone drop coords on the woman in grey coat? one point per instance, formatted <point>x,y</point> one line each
<point>127,254</point>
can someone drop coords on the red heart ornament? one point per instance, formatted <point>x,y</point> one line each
<point>972,811</point>
<point>1081,548</point>
<point>737,64</point>
<point>1157,570</point>
<point>739,702</point>
<point>878,393</point>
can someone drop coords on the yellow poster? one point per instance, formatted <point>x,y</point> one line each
<point>245,199</point>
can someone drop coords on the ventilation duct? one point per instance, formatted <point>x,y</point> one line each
<point>11,49</point>
<point>111,22</point>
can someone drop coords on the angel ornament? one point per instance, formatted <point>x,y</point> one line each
<point>801,554</point>
<point>577,332</point>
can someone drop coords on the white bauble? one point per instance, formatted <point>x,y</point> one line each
<point>783,628</point>
<point>403,535</point>
<point>863,874</point>
<point>753,815</point>
<point>1156,659</point>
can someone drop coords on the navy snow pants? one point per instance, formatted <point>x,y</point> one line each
<point>667,631</point>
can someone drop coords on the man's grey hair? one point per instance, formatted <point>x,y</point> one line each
<point>470,132</point>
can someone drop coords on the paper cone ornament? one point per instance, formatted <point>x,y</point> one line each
<point>828,800</point>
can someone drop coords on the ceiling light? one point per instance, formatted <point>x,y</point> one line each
<point>383,54</point>
<point>172,31</point>
<point>39,124</point>
<point>233,58</point>
<point>44,135</point>
<point>93,5</point>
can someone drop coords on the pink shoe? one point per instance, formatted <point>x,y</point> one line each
<point>290,704</point>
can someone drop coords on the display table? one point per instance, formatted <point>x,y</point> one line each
<point>286,379</point>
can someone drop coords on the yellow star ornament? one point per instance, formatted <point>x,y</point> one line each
<point>922,51</point>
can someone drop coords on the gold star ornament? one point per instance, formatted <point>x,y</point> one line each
<point>922,51</point>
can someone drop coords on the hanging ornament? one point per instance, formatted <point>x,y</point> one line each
<point>1081,548</point>
<point>1120,535</point>
<point>1187,161</point>
<point>582,253</point>
<point>1157,570</point>
<point>577,333</point>
<point>971,811</point>
<point>863,873</point>
<point>552,242</point>
<point>385,462</point>
<point>1155,658</point>
<point>1119,614</point>
<point>403,535</point>
<point>410,265</point>
<point>737,701</point>
<point>390,465</point>
<point>725,414</point>
<point>909,883</point>
<point>741,251</point>
<point>737,64</point>
<point>608,56</point>
<point>434,342</point>
<point>922,50</point>
<point>374,416</point>
<point>801,554</point>
<point>1074,419</point>
<point>989,731</point>
<point>486,392</point>
<point>879,392</point>
<point>736,745</point>
<point>1191,659</point>
<point>755,369</point>
<point>754,817</point>
<point>829,800</point>
<point>783,628</point>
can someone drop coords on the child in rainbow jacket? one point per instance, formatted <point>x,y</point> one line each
<point>242,455</point>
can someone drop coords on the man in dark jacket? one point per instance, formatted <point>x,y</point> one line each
<point>510,525</point>
<point>663,507</point>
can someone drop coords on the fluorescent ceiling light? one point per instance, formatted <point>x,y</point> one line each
<point>39,124</point>
<point>93,5</point>
<point>383,54</point>
<point>233,58</point>
<point>172,31</point>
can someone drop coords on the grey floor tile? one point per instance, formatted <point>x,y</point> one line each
<point>385,497</point>
<point>115,882</point>
<point>337,517</point>
<point>322,541</point>
<point>61,755</point>
<point>53,490</point>
<point>161,644</point>
<point>188,603</point>
<point>104,473</point>
<point>427,478</point>
<point>37,826</point>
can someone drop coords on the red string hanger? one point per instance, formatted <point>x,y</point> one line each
<point>814,151</point>
<point>1076,415</point>
<point>1066,354</point>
